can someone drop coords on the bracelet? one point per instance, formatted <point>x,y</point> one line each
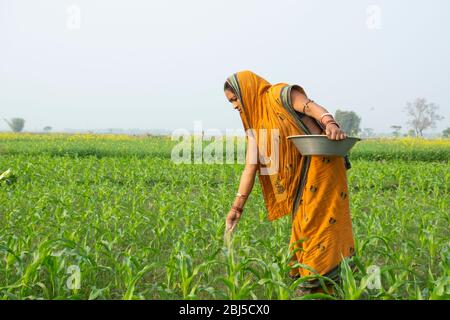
<point>306,104</point>
<point>325,114</point>
<point>332,122</point>
<point>329,121</point>
<point>237,209</point>
<point>240,195</point>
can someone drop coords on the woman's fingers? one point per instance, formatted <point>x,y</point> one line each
<point>335,134</point>
<point>343,135</point>
<point>330,135</point>
<point>231,226</point>
<point>231,221</point>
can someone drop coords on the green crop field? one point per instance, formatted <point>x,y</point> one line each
<point>112,217</point>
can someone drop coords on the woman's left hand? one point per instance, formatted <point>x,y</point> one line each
<point>334,132</point>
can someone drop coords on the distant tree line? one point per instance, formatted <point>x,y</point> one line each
<point>421,116</point>
<point>18,124</point>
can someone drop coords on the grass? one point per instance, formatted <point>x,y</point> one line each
<point>138,226</point>
<point>108,145</point>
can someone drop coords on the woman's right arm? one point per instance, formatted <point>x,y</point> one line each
<point>245,188</point>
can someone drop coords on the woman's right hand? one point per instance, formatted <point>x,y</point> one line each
<point>232,219</point>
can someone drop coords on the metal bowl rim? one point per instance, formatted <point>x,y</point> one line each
<point>319,135</point>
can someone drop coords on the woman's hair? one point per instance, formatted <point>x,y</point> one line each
<point>227,86</point>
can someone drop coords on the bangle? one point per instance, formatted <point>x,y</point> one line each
<point>240,195</point>
<point>237,209</point>
<point>325,114</point>
<point>332,122</point>
<point>306,104</point>
<point>329,121</point>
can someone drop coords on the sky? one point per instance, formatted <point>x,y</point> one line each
<point>90,64</point>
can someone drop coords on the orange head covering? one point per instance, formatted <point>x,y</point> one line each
<point>268,112</point>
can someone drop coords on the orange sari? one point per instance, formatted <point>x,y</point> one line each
<point>312,189</point>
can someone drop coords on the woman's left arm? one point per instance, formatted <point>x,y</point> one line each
<point>302,104</point>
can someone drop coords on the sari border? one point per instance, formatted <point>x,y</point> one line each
<point>285,95</point>
<point>334,274</point>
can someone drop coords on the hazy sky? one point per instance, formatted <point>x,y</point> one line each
<point>161,64</point>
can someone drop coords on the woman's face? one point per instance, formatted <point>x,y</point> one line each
<point>233,100</point>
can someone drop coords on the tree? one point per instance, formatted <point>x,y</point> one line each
<point>16,124</point>
<point>422,115</point>
<point>396,132</point>
<point>368,132</point>
<point>348,121</point>
<point>47,128</point>
<point>411,133</point>
<point>446,133</point>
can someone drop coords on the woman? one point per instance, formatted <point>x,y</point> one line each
<point>312,189</point>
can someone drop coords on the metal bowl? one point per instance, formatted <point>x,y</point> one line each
<point>312,145</point>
